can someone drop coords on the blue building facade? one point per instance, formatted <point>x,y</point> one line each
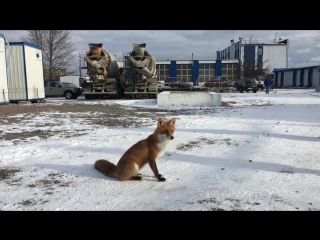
<point>297,77</point>
<point>196,71</point>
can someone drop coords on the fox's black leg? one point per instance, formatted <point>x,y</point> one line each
<point>154,168</point>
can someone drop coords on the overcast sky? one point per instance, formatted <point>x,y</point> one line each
<point>304,46</point>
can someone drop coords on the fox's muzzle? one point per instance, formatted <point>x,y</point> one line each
<point>172,137</point>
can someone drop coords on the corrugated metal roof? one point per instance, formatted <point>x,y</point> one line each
<point>26,44</point>
<point>290,69</point>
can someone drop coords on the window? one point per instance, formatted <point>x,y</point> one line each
<point>184,71</point>
<point>206,72</point>
<point>230,71</point>
<point>259,65</point>
<point>163,70</point>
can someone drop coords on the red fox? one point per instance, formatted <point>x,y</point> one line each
<point>142,152</point>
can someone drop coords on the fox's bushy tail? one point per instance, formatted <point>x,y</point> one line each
<point>106,167</point>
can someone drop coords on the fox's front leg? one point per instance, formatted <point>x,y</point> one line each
<point>154,168</point>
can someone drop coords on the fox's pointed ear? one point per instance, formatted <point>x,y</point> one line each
<point>173,121</point>
<point>161,122</point>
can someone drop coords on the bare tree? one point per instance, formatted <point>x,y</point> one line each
<point>252,39</point>
<point>249,67</point>
<point>36,37</point>
<point>57,51</point>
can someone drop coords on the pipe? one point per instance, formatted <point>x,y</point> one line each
<point>4,96</point>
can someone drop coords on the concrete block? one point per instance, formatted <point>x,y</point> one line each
<point>189,99</point>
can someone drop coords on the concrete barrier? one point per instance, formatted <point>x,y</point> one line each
<point>188,98</point>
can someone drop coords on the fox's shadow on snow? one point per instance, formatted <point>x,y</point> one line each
<point>85,170</point>
<point>88,170</point>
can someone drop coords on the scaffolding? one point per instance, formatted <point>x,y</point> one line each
<point>82,65</point>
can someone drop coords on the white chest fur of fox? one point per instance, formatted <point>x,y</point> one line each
<point>163,145</point>
<point>145,151</point>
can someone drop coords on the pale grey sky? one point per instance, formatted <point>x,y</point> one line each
<point>304,45</point>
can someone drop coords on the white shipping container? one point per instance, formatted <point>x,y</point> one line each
<point>25,72</point>
<point>71,79</point>
<point>4,94</point>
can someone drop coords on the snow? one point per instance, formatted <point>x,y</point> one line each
<point>260,153</point>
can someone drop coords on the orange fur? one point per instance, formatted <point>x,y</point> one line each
<point>143,152</point>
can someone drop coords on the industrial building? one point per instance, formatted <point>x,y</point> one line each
<point>228,63</point>
<point>21,72</point>
<point>197,71</point>
<point>262,55</point>
<point>297,77</point>
<point>25,72</point>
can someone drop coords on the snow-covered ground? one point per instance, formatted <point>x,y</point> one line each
<point>260,153</point>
